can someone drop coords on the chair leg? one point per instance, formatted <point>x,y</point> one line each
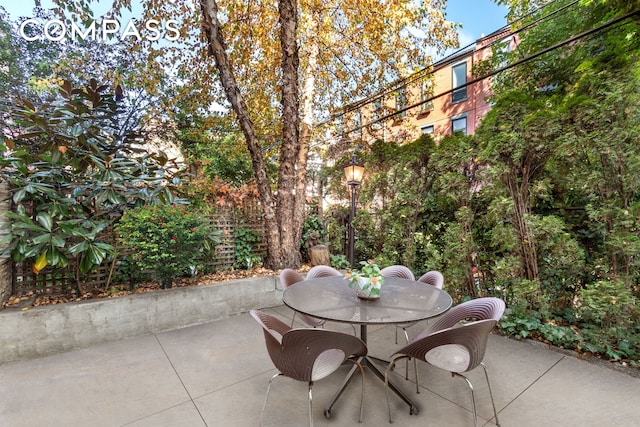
<point>293,318</point>
<point>264,405</point>
<point>415,369</point>
<point>473,397</point>
<point>486,374</point>
<point>386,382</point>
<point>310,405</point>
<point>359,365</point>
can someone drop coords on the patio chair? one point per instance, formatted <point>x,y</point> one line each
<point>433,278</point>
<point>399,271</point>
<point>454,346</point>
<point>308,354</point>
<point>288,277</point>
<point>322,271</point>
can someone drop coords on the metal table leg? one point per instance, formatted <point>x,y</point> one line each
<point>367,362</point>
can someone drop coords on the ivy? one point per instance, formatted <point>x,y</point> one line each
<point>245,244</point>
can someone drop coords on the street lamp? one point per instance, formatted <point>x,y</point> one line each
<point>353,172</point>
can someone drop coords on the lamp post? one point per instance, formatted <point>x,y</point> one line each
<point>353,172</point>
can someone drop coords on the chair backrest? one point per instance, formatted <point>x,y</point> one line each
<point>322,271</point>
<point>433,278</point>
<point>288,277</point>
<point>273,329</point>
<point>476,309</point>
<point>399,271</point>
<point>307,354</point>
<point>456,349</point>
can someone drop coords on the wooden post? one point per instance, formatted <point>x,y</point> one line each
<point>319,255</point>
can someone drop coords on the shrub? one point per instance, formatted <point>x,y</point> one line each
<point>339,261</point>
<point>245,241</point>
<point>607,303</point>
<point>171,240</point>
<point>72,172</point>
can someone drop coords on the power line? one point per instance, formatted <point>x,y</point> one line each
<point>498,70</point>
<point>416,76</point>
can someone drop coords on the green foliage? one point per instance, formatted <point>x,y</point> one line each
<point>542,205</point>
<point>369,238</point>
<point>72,173</point>
<point>171,240</point>
<point>339,261</point>
<point>519,323</point>
<point>608,303</point>
<point>368,278</point>
<point>312,226</point>
<point>220,153</point>
<point>561,260</point>
<point>245,241</point>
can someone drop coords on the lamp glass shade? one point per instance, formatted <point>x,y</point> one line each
<point>354,172</point>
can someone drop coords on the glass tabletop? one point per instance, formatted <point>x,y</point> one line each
<point>401,301</point>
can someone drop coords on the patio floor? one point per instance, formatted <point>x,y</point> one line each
<point>216,375</point>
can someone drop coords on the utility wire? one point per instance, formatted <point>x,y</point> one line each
<point>498,70</point>
<point>427,70</point>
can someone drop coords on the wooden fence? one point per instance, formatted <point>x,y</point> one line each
<point>55,281</point>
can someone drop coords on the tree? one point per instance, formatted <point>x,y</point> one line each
<point>357,47</point>
<point>72,176</point>
<point>293,151</point>
<point>559,138</point>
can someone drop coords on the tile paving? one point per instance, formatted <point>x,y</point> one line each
<point>216,374</point>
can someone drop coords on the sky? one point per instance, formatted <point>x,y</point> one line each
<point>478,17</point>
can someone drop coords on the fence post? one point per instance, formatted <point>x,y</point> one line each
<point>5,261</point>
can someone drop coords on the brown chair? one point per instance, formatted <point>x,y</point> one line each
<point>322,271</point>
<point>433,278</point>
<point>289,277</point>
<point>308,354</point>
<point>454,346</point>
<point>399,271</point>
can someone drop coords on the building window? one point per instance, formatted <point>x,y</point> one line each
<point>340,125</point>
<point>377,109</point>
<point>401,101</point>
<point>428,129</point>
<point>426,92</point>
<point>357,122</point>
<point>459,77</point>
<point>459,124</point>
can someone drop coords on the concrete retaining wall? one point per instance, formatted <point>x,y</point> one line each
<point>41,331</point>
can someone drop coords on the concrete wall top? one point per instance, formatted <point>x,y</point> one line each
<point>45,330</point>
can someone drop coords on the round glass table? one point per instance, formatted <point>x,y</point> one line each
<point>401,301</point>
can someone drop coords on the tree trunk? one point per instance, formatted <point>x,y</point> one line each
<point>528,252</point>
<point>289,149</point>
<point>216,48</point>
<point>319,255</point>
<point>306,126</point>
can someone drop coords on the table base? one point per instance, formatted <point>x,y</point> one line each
<point>367,362</point>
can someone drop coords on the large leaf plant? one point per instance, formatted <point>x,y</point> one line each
<point>71,176</point>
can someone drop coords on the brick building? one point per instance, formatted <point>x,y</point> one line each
<point>437,100</point>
